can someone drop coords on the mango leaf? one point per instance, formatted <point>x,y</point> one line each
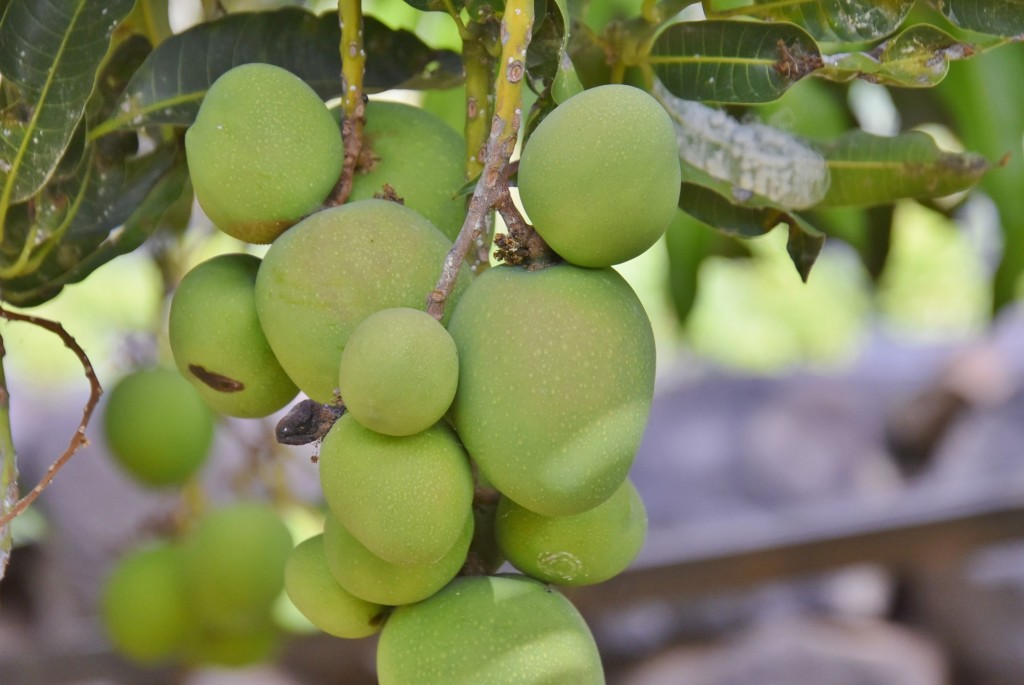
<point>739,62</point>
<point>918,57</point>
<point>129,197</point>
<point>567,82</point>
<point>428,5</point>
<point>751,159</point>
<point>170,85</point>
<point>870,170</point>
<point>804,243</point>
<point>831,21</point>
<point>995,17</point>
<point>548,63</point>
<point>50,50</point>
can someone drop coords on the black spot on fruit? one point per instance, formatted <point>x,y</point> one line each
<point>215,380</point>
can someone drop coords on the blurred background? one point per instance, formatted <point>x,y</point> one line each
<point>832,469</point>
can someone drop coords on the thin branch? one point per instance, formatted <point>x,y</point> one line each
<point>516,26</point>
<point>78,439</point>
<point>353,66</point>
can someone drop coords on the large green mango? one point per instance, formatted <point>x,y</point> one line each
<point>556,376</point>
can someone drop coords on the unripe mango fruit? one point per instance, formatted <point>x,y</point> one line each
<point>235,560</point>
<point>499,630</point>
<point>157,426</point>
<point>365,575</point>
<point>599,177</point>
<point>398,372</point>
<point>420,157</point>
<point>581,549</point>
<point>263,151</point>
<point>143,604</point>
<point>217,341</point>
<point>405,498</point>
<point>327,605</point>
<point>555,419</point>
<point>326,274</point>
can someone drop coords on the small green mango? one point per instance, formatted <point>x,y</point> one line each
<point>420,157</point>
<point>217,341</point>
<point>326,274</point>
<point>405,498</point>
<point>365,575</point>
<point>398,372</point>
<point>327,605</point>
<point>556,377</point>
<point>263,151</point>
<point>499,630</point>
<point>600,176</point>
<point>581,549</point>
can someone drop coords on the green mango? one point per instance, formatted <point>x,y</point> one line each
<point>580,549</point>
<point>217,341</point>
<point>599,177</point>
<point>263,151</point>
<point>157,427</point>
<point>405,498</point>
<point>322,277</point>
<point>556,377</point>
<point>327,605</point>
<point>420,156</point>
<point>499,630</point>
<point>365,575</point>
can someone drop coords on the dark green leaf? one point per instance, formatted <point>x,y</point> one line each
<point>130,196</point>
<point>995,17</point>
<point>918,57</point>
<point>838,21</point>
<point>427,5</point>
<point>170,85</point>
<point>688,243</point>
<point>870,170</point>
<point>50,50</point>
<point>804,243</point>
<point>733,61</point>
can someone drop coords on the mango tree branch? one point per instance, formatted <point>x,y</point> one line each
<point>353,65</point>
<point>78,439</point>
<point>516,26</point>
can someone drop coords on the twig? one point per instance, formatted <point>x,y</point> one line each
<point>353,65</point>
<point>516,26</point>
<point>78,439</point>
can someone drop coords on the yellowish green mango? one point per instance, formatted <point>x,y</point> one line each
<point>326,274</point>
<point>263,151</point>
<point>599,177</point>
<point>555,419</point>
<point>499,630</point>
<point>580,549</point>
<point>217,341</point>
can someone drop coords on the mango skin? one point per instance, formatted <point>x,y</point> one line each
<point>418,155</point>
<point>582,549</point>
<point>327,605</point>
<point>405,498</point>
<point>599,177</point>
<point>157,427</point>
<point>143,605</point>
<point>499,630</point>
<point>327,273</point>
<point>399,371</point>
<point>217,341</point>
<point>366,575</point>
<point>553,421</point>
<point>263,151</point>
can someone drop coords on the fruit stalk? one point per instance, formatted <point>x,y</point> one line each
<point>353,65</point>
<point>516,27</point>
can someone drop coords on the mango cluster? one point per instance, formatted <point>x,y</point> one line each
<point>504,431</point>
<point>205,598</point>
